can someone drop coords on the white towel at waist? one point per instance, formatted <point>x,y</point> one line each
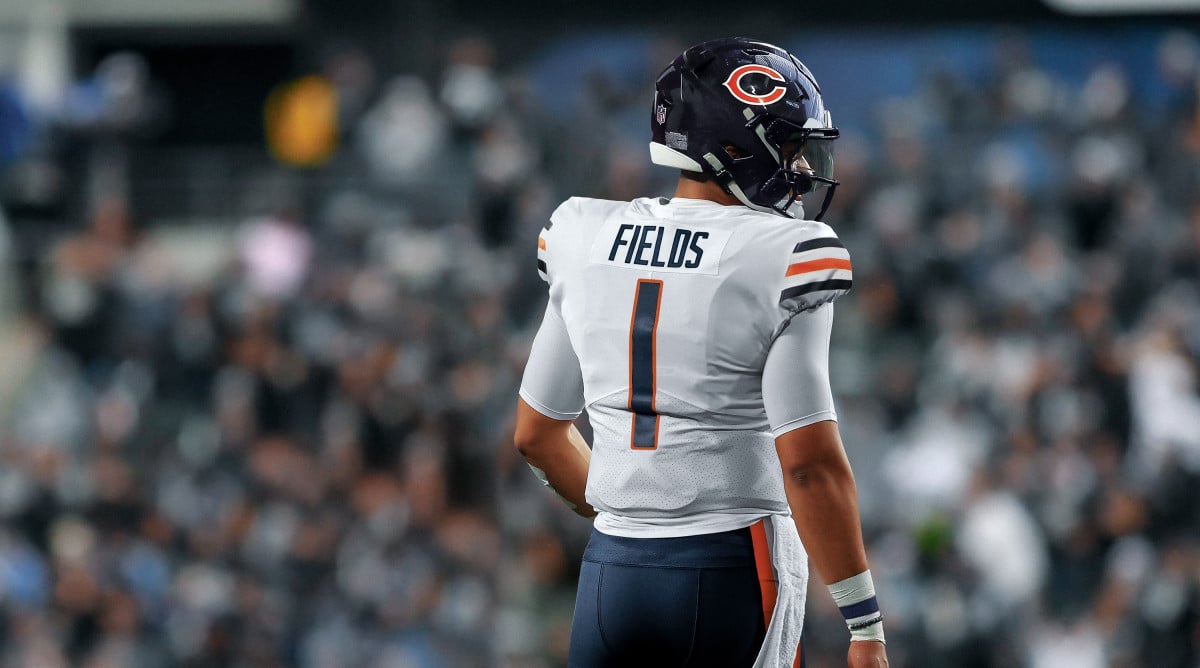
<point>790,562</point>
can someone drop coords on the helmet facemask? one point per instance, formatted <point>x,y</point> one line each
<point>803,159</point>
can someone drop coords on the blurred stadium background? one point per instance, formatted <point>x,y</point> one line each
<point>267,281</point>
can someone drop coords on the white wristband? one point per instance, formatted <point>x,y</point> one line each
<point>855,597</point>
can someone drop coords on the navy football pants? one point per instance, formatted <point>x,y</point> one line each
<point>665,602</point>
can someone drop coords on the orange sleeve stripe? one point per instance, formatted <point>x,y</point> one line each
<point>542,243</point>
<point>817,265</point>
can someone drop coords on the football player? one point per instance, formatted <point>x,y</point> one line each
<point>695,332</point>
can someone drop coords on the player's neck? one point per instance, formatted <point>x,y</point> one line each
<point>709,190</point>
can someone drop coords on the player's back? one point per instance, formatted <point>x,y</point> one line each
<point>671,307</point>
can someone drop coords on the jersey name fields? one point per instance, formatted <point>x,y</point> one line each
<point>652,246</point>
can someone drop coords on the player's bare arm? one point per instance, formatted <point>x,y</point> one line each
<point>820,489</point>
<point>557,452</point>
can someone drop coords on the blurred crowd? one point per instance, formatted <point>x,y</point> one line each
<point>286,439</point>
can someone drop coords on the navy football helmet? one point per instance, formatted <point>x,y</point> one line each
<point>750,115</point>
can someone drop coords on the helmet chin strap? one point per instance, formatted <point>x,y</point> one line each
<point>734,190</point>
<point>725,179</point>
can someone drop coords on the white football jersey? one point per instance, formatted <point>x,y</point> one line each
<point>669,310</point>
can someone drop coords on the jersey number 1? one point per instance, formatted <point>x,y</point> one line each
<point>643,327</point>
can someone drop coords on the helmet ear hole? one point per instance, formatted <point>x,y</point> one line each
<point>736,152</point>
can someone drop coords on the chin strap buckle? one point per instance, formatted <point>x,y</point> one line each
<point>722,175</point>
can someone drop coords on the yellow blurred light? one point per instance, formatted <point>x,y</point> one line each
<point>301,119</point>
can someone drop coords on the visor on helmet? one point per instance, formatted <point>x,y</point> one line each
<point>805,156</point>
<point>804,149</point>
<point>809,157</point>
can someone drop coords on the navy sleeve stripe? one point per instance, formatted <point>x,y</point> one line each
<point>813,244</point>
<point>831,284</point>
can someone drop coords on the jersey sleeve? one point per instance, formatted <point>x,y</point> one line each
<point>542,255</point>
<point>795,380</point>
<point>553,382</point>
<point>817,271</point>
<point>547,239</point>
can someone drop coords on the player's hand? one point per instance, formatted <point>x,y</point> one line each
<point>867,654</point>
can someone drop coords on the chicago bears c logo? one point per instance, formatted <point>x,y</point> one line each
<point>734,84</point>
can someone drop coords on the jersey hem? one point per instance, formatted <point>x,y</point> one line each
<point>546,410</point>
<point>629,527</point>
<point>812,418</point>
